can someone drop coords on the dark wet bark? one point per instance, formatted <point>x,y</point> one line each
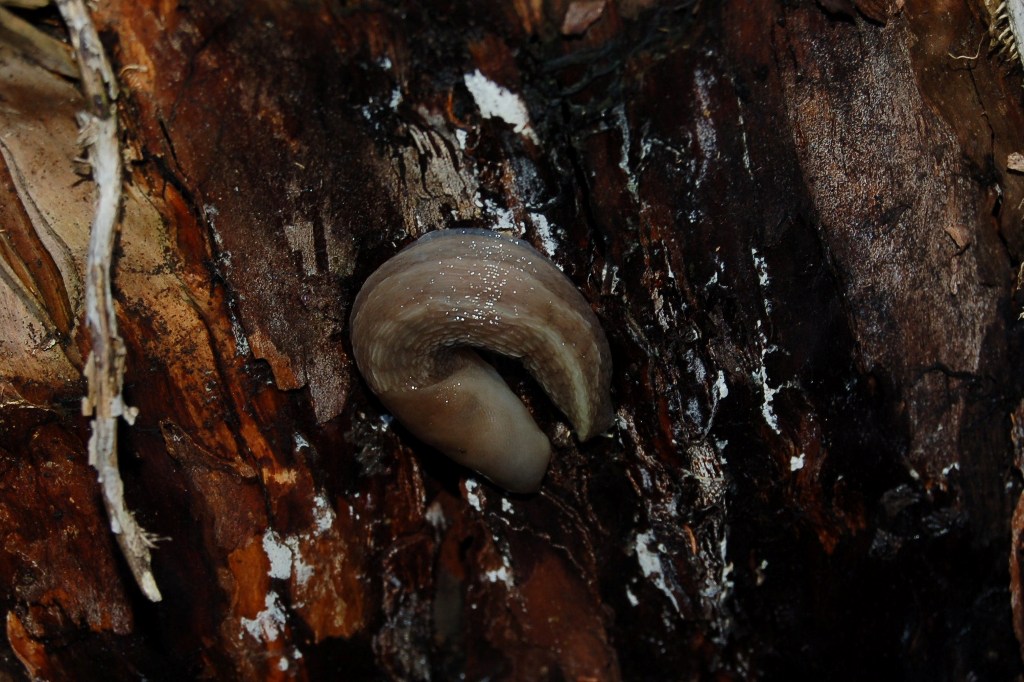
<point>795,222</point>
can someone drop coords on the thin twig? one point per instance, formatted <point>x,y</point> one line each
<point>105,366</point>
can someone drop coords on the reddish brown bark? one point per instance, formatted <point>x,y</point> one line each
<point>794,220</point>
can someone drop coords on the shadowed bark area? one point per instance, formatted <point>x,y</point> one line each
<point>795,221</point>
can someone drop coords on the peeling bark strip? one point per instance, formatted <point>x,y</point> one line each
<point>105,367</point>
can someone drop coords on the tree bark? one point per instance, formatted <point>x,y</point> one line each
<point>799,224</point>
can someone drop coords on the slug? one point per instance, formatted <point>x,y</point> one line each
<point>417,319</point>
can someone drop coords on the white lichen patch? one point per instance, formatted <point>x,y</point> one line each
<point>767,410</point>
<point>268,623</point>
<point>761,377</point>
<point>721,390</point>
<point>286,558</point>
<point>663,311</point>
<point>797,463</point>
<point>323,513</point>
<point>624,163</point>
<point>494,101</point>
<point>502,573</point>
<point>241,340</point>
<point>693,413</point>
<point>743,137</point>
<point>610,276</point>
<point>762,276</point>
<point>472,494</point>
<point>725,582</point>
<point>499,217</point>
<point>435,516</point>
<point>279,554</point>
<point>707,138</point>
<point>285,554</point>
<point>544,231</point>
<point>650,564</point>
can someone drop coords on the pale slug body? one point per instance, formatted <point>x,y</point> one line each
<point>417,318</point>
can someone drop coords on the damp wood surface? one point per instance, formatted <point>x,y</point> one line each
<point>799,224</point>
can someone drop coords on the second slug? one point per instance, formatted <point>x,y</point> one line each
<point>417,318</point>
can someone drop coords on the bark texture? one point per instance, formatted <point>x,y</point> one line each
<point>796,222</point>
